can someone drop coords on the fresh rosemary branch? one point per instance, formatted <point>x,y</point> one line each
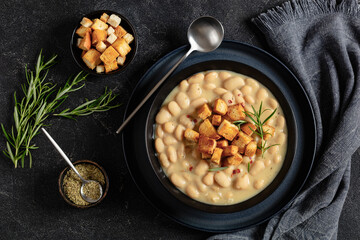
<point>217,169</point>
<point>100,104</point>
<point>255,117</point>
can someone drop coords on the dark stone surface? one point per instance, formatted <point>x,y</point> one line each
<point>30,205</point>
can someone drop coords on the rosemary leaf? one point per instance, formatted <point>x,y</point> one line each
<point>217,169</point>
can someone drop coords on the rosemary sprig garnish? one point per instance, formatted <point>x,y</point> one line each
<point>248,167</point>
<point>238,123</point>
<point>255,117</point>
<point>100,104</point>
<point>217,169</point>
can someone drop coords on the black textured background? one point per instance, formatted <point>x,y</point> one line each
<point>30,205</point>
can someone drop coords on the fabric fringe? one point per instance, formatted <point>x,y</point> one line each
<point>297,9</point>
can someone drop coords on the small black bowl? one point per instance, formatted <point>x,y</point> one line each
<point>76,52</point>
<point>241,68</point>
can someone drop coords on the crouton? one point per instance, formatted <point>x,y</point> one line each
<point>220,106</point>
<point>216,120</point>
<point>83,53</point>
<point>101,46</point>
<point>248,128</point>
<point>111,67</point>
<point>121,47</point>
<point>78,42</point>
<point>208,130</point>
<point>86,22</point>
<point>204,111</point>
<point>104,17</point>
<point>114,20</point>
<point>81,31</point>
<point>121,60</point>
<point>92,58</point>
<point>206,145</point>
<point>98,36</point>
<point>111,38</point>
<point>128,38</point>
<point>241,140</point>
<point>191,135</point>
<point>98,24</point>
<point>222,143</point>
<point>120,32</point>
<point>228,130</point>
<point>109,55</point>
<point>233,160</point>
<point>250,148</point>
<point>216,157</point>
<point>268,131</point>
<point>85,43</point>
<point>236,112</point>
<point>110,31</point>
<point>230,151</point>
<point>205,156</point>
<point>100,68</point>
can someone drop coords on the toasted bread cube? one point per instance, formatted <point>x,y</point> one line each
<point>204,111</point>
<point>236,112</point>
<point>78,42</point>
<point>216,156</point>
<point>250,149</point>
<point>121,60</point>
<point>86,22</point>
<point>114,20</point>
<point>110,31</point>
<point>268,131</point>
<point>92,58</point>
<point>227,130</point>
<point>222,143</point>
<point>220,106</point>
<point>248,128</point>
<point>208,130</point>
<point>109,55</point>
<point>205,156</point>
<point>98,36</point>
<point>81,31</point>
<point>111,38</point>
<point>191,135</point>
<point>206,145</point>
<point>85,43</point>
<point>230,151</point>
<point>233,160</point>
<point>128,38</point>
<point>121,47</point>
<point>100,68</point>
<point>241,141</point>
<point>83,53</point>
<point>101,46</point>
<point>100,25</point>
<point>111,67</point>
<point>104,17</point>
<point>216,120</point>
<point>120,31</point>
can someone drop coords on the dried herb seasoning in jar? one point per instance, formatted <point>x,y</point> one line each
<point>72,183</point>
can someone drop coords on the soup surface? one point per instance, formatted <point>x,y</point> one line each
<point>197,174</point>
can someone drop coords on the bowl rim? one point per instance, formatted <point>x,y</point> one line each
<point>61,178</point>
<point>77,57</point>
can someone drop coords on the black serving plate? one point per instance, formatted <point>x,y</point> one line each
<point>294,101</point>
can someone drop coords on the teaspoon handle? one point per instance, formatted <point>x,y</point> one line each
<point>62,153</point>
<point>127,120</point>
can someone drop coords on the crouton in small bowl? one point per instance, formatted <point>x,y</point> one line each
<point>103,42</point>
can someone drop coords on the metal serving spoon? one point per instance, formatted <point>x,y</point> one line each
<point>205,34</point>
<point>84,181</point>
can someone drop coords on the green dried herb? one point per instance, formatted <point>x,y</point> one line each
<point>217,169</point>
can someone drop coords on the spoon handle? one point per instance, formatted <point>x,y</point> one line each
<point>62,153</point>
<point>153,90</point>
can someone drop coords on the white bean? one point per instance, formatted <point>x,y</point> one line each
<point>229,170</point>
<point>174,108</point>
<point>163,116</point>
<point>249,99</point>
<point>198,102</point>
<point>169,140</point>
<point>178,180</point>
<point>209,86</point>
<point>274,149</point>
<point>234,82</point>
<point>272,103</point>
<point>159,131</point>
<point>280,122</point>
<point>246,90</point>
<point>186,121</point>
<point>277,158</point>
<point>202,187</point>
<point>187,176</point>
<point>171,152</point>
<point>257,167</point>
<point>229,98</point>
<point>197,78</point>
<point>221,179</point>
<point>229,195</point>
<point>267,162</point>
<point>192,191</point>
<point>183,100</point>
<point>211,77</point>
<point>208,179</point>
<point>183,85</point>
<point>220,91</point>
<point>258,184</point>
<point>164,160</point>
<point>280,139</point>
<point>201,168</point>
<point>242,182</point>
<point>159,145</point>
<point>246,159</point>
<point>171,169</point>
<point>181,151</point>
<point>194,91</point>
<point>179,132</point>
<point>169,127</point>
<point>224,75</point>
<point>253,83</point>
<point>262,94</point>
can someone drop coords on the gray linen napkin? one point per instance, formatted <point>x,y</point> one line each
<point>319,41</point>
